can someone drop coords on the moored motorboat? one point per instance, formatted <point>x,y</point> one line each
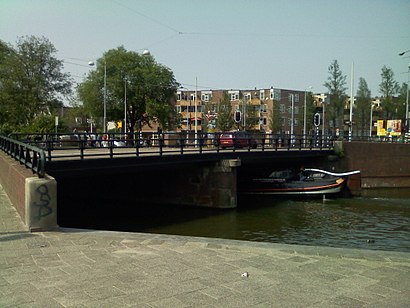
<point>306,182</point>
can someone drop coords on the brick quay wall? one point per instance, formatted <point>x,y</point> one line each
<point>382,165</point>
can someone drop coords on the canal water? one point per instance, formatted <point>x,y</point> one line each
<point>380,221</point>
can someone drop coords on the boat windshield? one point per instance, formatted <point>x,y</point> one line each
<point>282,174</point>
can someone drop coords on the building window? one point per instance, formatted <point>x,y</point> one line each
<point>262,95</point>
<point>247,96</point>
<point>206,96</point>
<point>296,98</point>
<point>283,120</point>
<point>264,108</point>
<point>276,95</point>
<point>179,109</point>
<point>282,108</point>
<point>178,96</point>
<point>234,95</point>
<point>295,109</point>
<point>192,96</point>
<point>262,121</point>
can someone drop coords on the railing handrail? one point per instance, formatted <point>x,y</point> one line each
<point>30,156</point>
<point>84,145</point>
<point>34,149</point>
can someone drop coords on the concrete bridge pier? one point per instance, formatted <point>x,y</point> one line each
<point>35,199</point>
<point>210,185</point>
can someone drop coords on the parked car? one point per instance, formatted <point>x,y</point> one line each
<point>237,140</point>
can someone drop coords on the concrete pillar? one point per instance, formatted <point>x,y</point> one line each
<point>41,203</point>
<point>223,184</point>
<point>206,185</point>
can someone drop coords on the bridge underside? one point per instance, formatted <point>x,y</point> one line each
<point>93,190</point>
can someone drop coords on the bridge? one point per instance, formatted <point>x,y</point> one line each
<point>80,172</point>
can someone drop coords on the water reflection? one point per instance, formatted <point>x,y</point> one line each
<point>371,223</point>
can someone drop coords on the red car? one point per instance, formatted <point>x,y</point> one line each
<point>237,140</point>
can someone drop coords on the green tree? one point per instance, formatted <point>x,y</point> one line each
<point>401,110</point>
<point>224,121</point>
<point>250,115</point>
<point>363,105</point>
<point>388,88</point>
<point>336,84</point>
<point>274,119</point>
<point>310,111</point>
<point>31,80</point>
<point>45,124</point>
<point>150,89</point>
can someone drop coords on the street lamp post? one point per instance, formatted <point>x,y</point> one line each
<point>125,105</point>
<point>323,122</point>
<point>292,98</point>
<point>105,96</point>
<point>351,104</point>
<point>91,63</point>
<point>406,118</point>
<point>407,100</point>
<point>304,116</point>
<point>403,52</point>
<point>195,113</point>
<point>371,120</point>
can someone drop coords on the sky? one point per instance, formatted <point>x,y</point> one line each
<point>226,44</point>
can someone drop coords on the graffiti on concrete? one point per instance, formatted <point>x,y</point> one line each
<point>43,206</point>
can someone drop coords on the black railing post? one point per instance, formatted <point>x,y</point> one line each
<point>181,144</point>
<point>160,143</point>
<point>24,153</point>
<point>111,145</point>
<point>49,148</point>
<point>262,139</point>
<point>201,142</point>
<point>82,146</point>
<point>138,144</point>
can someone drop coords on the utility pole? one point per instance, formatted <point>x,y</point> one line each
<point>351,105</point>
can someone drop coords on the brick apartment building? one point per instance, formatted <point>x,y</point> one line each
<point>203,105</point>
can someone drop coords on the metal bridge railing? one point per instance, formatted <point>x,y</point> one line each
<point>30,156</point>
<point>86,145</point>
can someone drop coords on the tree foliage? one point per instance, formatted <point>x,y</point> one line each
<point>45,124</point>
<point>336,84</point>
<point>150,89</point>
<point>250,115</point>
<point>388,88</point>
<point>310,111</point>
<point>31,81</point>
<point>402,99</point>
<point>225,120</point>
<point>363,105</point>
<point>274,120</point>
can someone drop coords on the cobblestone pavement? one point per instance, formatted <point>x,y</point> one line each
<point>82,268</point>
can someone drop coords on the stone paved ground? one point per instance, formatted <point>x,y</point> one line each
<point>80,268</point>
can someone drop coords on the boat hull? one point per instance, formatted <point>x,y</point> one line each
<point>296,188</point>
